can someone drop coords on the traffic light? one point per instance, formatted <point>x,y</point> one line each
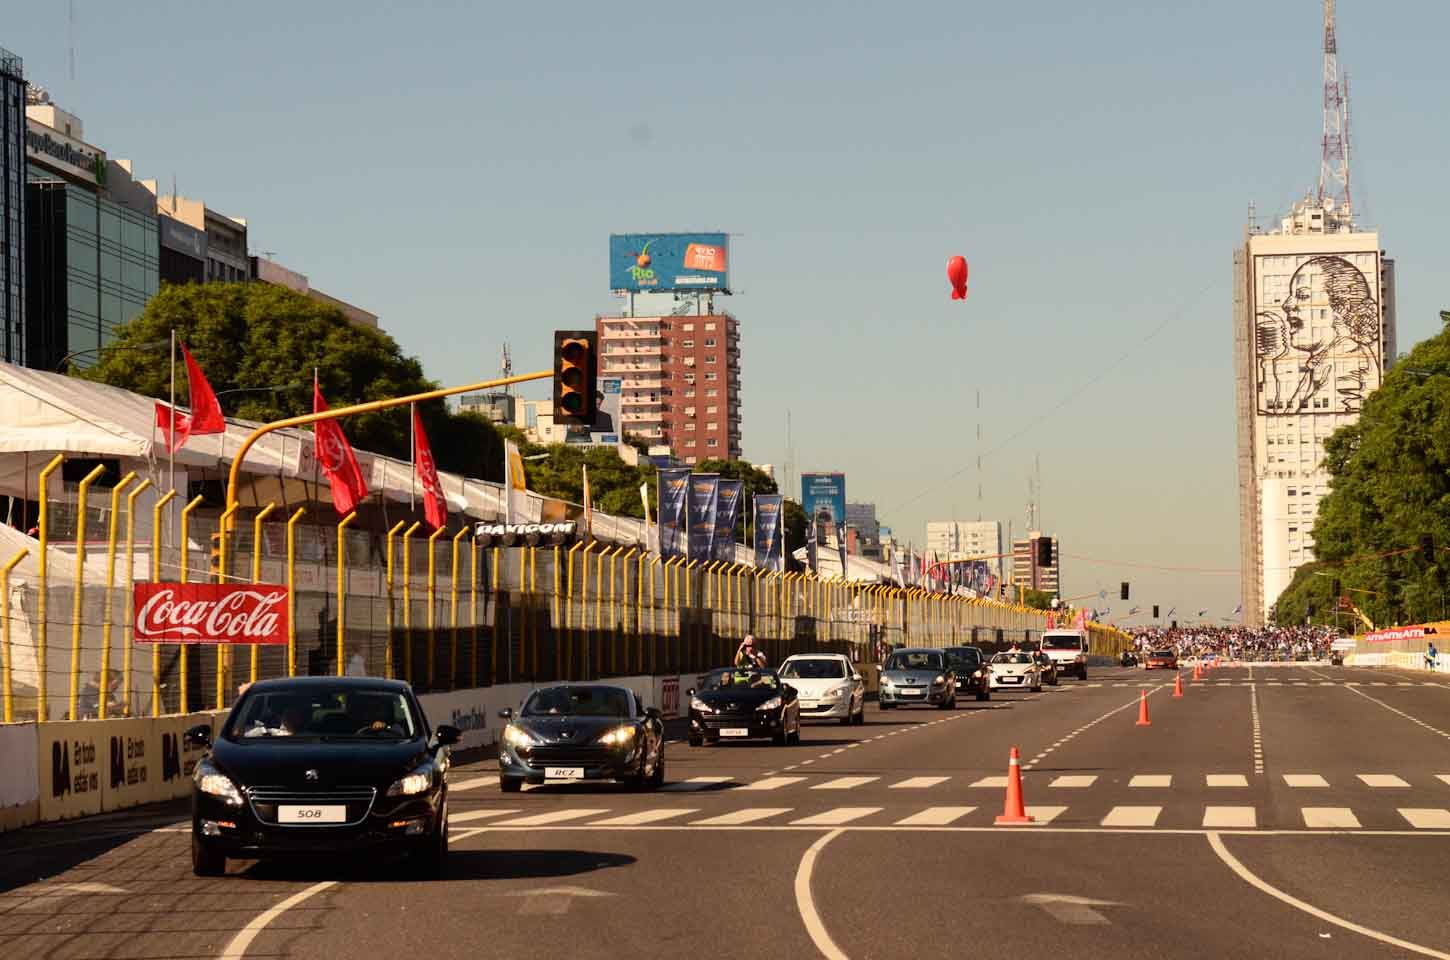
<point>1123,591</point>
<point>1044,552</point>
<point>1427,547</point>
<point>1155,611</point>
<point>214,564</point>
<point>575,354</point>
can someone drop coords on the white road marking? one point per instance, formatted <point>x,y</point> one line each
<point>473,784</point>
<point>695,783</point>
<point>1252,880</point>
<point>1404,683</point>
<point>991,782</point>
<point>1231,818</point>
<point>1330,818</point>
<point>644,816</point>
<point>807,906</point>
<point>553,816</point>
<point>1226,780</point>
<point>1045,815</point>
<point>1152,780</point>
<point>1381,780</point>
<point>918,783</point>
<point>1126,816</point>
<point>1305,780</point>
<point>1258,743</point>
<point>1415,720</point>
<point>748,815</point>
<point>935,817</point>
<point>239,943</point>
<point>465,816</point>
<point>773,783</point>
<point>1426,818</point>
<point>1444,778</point>
<point>1074,781</point>
<point>836,817</point>
<point>844,783</point>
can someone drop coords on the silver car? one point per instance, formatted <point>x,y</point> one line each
<point>918,677</point>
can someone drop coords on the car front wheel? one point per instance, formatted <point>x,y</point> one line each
<point>510,784</point>
<point>206,862</point>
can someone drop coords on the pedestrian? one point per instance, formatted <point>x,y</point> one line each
<point>1431,656</point>
<point>745,653</point>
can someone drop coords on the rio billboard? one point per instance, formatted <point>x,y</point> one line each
<point>669,262</point>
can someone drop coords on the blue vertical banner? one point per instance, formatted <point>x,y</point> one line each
<point>770,531</point>
<point>674,488</point>
<point>812,553</point>
<point>726,513</point>
<point>841,545</point>
<point>704,501</point>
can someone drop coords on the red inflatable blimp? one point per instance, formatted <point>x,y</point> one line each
<point>957,274</point>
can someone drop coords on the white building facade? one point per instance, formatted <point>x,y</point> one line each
<point>1314,333</point>
<point>966,540</point>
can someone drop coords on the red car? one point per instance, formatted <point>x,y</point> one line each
<point>1161,659</point>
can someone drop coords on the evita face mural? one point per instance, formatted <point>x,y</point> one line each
<point>1316,333</point>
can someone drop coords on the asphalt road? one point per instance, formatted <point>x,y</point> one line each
<point>1288,811</point>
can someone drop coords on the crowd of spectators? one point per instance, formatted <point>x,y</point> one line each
<point>1239,642</point>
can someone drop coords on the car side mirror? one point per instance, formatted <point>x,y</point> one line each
<point>199,735</point>
<point>447,735</point>
<point>506,713</point>
<point>690,692</point>
<point>788,690</point>
<point>855,678</point>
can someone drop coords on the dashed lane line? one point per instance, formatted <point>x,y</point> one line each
<point>1395,710</point>
<point>1258,742</point>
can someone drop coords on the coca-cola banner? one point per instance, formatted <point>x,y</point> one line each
<point>211,613</point>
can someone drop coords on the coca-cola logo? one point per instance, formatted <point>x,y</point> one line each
<point>210,613</point>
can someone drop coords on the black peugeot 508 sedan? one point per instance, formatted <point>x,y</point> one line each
<point>320,765</point>
<point>582,731</point>
<point>736,703</point>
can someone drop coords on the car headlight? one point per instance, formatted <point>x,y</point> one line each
<point>516,736</point>
<point>939,680</point>
<point>980,674</point>
<point>213,782</point>
<point>840,692</point>
<point>414,783</point>
<point>772,704</point>
<point>618,737</point>
<point>1079,658</point>
<point>697,704</point>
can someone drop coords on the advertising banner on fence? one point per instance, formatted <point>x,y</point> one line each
<point>674,492</point>
<point>704,504</point>
<point>211,613</point>
<point>665,262</point>
<point>1416,632</point>
<point>725,515</point>
<point>769,531</point>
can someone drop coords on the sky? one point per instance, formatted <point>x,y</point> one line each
<point>457,168</point>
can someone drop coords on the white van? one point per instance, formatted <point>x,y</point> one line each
<point>1068,648</point>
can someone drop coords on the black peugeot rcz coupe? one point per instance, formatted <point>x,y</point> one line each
<point>582,731</point>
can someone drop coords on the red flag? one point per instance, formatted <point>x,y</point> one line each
<point>175,426</point>
<point>435,507</point>
<point>337,460</point>
<point>206,413</point>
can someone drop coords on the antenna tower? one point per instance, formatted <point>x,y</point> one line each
<point>507,369</point>
<point>1334,159</point>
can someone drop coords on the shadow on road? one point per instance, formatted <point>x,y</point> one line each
<point>462,865</point>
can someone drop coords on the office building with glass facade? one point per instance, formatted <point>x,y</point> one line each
<point>12,208</point>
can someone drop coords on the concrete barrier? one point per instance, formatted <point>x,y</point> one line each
<point>20,784</point>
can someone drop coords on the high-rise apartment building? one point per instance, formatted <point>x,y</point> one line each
<point>680,381</point>
<point>1314,333</point>
<point>1027,572</point>
<point>12,208</point>
<point>965,540</point>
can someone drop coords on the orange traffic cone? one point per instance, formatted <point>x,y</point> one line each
<point>1143,720</point>
<point>1197,673</point>
<point>1178,686</point>
<point>1012,810</point>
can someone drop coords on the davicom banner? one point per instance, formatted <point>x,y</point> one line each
<point>211,613</point>
<point>725,516</point>
<point>769,531</point>
<point>674,491</point>
<point>704,504</point>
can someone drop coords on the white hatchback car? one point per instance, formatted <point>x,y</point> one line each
<point>828,686</point>
<point>1016,670</point>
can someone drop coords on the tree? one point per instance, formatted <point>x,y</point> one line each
<point>1389,488</point>
<point>1312,587</point>
<point>1037,599</point>
<point>267,340</point>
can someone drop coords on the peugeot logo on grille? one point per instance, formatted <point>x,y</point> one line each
<point>312,775</point>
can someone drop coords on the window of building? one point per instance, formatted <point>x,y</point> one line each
<point>689,378</point>
<point>712,442</point>
<point>712,358</point>
<point>711,409</point>
<point>690,392</point>
<point>690,427</point>
<point>688,328</point>
<point>684,343</point>
<point>712,375</point>
<point>690,460</point>
<point>689,443</point>
<point>710,326</point>
<point>712,392</point>
<point>709,341</point>
<point>712,426</point>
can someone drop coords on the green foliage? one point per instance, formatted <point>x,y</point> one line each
<point>1037,599</point>
<point>1312,586</point>
<point>613,484</point>
<point>267,340</point>
<point>1390,484</point>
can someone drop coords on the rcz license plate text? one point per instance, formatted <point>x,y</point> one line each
<point>563,773</point>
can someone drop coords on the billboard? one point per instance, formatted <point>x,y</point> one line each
<point>666,262</point>
<point>824,493</point>
<point>607,422</point>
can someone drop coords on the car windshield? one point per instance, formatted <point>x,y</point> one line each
<point>577,702</point>
<point>1068,642</point>
<point>1012,658</point>
<point>737,679</point>
<point>1162,653</point>
<point>336,712</point>
<point>914,660</point>
<point>970,656</point>
<point>813,668</point>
